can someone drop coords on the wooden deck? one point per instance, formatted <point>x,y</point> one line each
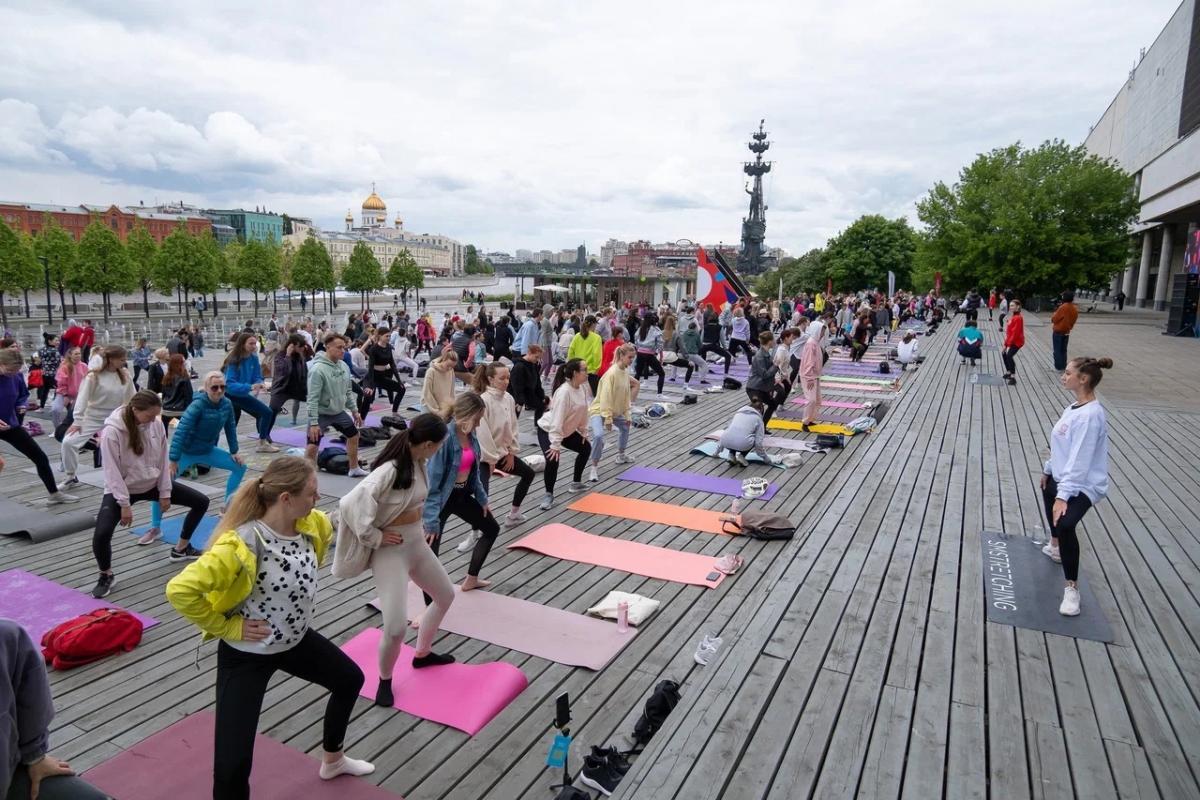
<point>856,660</point>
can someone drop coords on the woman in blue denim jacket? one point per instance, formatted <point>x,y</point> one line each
<point>455,488</point>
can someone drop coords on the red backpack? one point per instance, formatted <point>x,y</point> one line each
<point>90,637</point>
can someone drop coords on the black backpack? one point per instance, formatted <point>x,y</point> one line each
<point>831,440</point>
<point>393,421</point>
<point>374,434</point>
<point>884,367</point>
<point>658,705</point>
<point>732,384</point>
<point>334,461</point>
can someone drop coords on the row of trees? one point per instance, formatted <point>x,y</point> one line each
<point>183,265</point>
<point>1037,221</point>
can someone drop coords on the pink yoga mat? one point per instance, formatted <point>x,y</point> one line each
<point>177,762</point>
<point>563,541</point>
<point>531,628</point>
<point>37,604</point>
<point>858,387</point>
<point>463,696</point>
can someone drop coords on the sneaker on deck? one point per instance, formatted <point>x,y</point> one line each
<point>68,483</point>
<point>547,502</point>
<point>623,459</point>
<point>613,756</point>
<point>576,487</point>
<point>150,537</point>
<point>188,553</point>
<point>598,775</point>
<point>103,586</point>
<point>61,497</point>
<point>357,472</point>
<point>265,447</point>
<point>593,474</point>
<point>468,544</point>
<point>1070,602</point>
<point>1052,553</point>
<point>513,518</point>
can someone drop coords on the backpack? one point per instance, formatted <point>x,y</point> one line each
<point>334,461</point>
<point>393,421</point>
<point>831,440</point>
<point>884,367</point>
<point>733,384</point>
<point>374,434</point>
<point>33,428</point>
<point>90,637</point>
<point>764,525</point>
<point>658,705</point>
<point>690,400</point>
<point>35,380</point>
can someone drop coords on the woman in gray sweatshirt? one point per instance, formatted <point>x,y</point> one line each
<point>744,433</point>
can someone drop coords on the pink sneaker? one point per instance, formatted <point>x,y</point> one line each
<point>150,537</point>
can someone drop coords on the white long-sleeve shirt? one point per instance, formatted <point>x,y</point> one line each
<point>1079,452</point>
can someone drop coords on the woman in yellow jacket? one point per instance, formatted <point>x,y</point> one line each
<point>588,347</point>
<point>253,589</point>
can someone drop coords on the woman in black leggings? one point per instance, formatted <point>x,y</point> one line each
<point>1076,476</point>
<point>565,428</point>
<point>14,399</point>
<point>381,369</point>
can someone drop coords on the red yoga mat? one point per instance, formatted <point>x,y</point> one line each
<point>177,763</point>
<point>565,542</point>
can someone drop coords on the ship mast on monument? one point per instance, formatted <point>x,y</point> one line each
<point>752,258</point>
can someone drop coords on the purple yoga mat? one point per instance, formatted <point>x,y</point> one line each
<point>298,437</point>
<point>691,480</point>
<point>177,762</point>
<point>38,604</point>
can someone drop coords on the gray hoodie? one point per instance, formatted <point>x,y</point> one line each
<point>745,433</point>
<point>27,706</point>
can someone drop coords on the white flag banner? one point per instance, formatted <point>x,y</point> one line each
<point>891,283</point>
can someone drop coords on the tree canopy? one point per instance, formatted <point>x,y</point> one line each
<point>104,266</point>
<point>1040,220</point>
<point>143,252</point>
<point>312,268</point>
<point>59,249</point>
<point>363,273</point>
<point>404,275</point>
<point>187,263</point>
<point>861,256</point>
<point>473,264</point>
<point>19,268</point>
<point>258,268</point>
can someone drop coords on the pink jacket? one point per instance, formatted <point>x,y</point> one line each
<point>126,473</point>
<point>68,379</point>
<point>811,361</point>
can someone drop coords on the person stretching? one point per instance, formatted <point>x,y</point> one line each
<point>907,350</point>
<point>499,435</point>
<point>566,426</point>
<point>1075,477</point>
<point>67,380</point>
<point>764,376</point>
<point>455,488</point>
<point>331,402</point>
<point>106,388</point>
<point>14,399</point>
<point>176,388</point>
<point>437,391</point>
<point>712,338</point>
<point>611,407</point>
<point>380,529</point>
<point>739,335</point>
<point>195,442</point>
<point>289,376</point>
<point>525,383</point>
<point>588,346</point>
<point>812,361</point>
<point>746,432</point>
<point>648,348</point>
<point>970,342</point>
<point>1014,340</point>
<point>244,379</point>
<point>253,589</point>
<point>134,446</point>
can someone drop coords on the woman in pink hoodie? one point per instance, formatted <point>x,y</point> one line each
<point>812,360</point>
<point>136,467</point>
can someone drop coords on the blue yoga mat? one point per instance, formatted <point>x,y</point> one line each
<point>714,450</point>
<point>173,526</point>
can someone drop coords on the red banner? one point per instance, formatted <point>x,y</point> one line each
<point>829,287</point>
<point>937,282</point>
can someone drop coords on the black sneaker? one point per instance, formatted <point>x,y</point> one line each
<point>615,759</point>
<point>188,553</point>
<point>599,775</point>
<point>103,585</point>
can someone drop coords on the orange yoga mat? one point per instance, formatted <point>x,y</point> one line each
<point>696,519</point>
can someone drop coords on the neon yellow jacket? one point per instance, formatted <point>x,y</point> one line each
<point>215,584</point>
<point>588,349</point>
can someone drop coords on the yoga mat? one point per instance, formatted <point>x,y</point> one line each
<point>298,437</point>
<point>1023,588</point>
<point>869,381</point>
<point>612,505</point>
<point>691,480</point>
<point>576,640</point>
<point>331,485</point>
<point>38,604</point>
<point>984,379</point>
<point>714,450</point>
<point>565,542</point>
<point>781,442</point>
<point>463,696</point>
<point>854,387</point>
<point>834,403</point>
<point>95,477</point>
<point>820,427</point>
<point>173,526</point>
<point>41,524</point>
<point>177,762</point>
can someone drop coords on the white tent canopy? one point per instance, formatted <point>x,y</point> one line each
<point>550,287</point>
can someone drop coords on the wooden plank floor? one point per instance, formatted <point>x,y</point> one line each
<point>856,660</point>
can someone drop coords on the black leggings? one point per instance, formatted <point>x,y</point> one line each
<point>1064,531</point>
<point>20,439</point>
<point>647,363</point>
<point>241,683</point>
<point>576,443</point>
<point>1010,360</point>
<point>524,473</point>
<point>705,349</point>
<point>741,344</point>
<point>768,400</point>
<point>278,401</point>
<point>463,505</point>
<point>110,514</point>
<point>387,381</point>
<point>48,382</point>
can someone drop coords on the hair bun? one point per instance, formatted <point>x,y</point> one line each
<point>1104,363</point>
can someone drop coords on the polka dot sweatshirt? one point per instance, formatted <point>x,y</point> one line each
<point>284,589</point>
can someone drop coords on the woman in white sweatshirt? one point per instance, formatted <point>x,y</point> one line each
<point>1076,476</point>
<point>105,388</point>
<point>437,392</point>
<point>380,529</point>
<point>565,426</point>
<point>499,437</point>
<point>136,467</point>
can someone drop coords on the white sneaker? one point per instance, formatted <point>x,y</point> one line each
<point>357,472</point>
<point>593,474</point>
<point>623,459</point>
<point>707,648</point>
<point>60,497</point>
<point>150,537</point>
<point>265,447</point>
<point>1052,553</point>
<point>515,517</point>
<point>547,502</point>
<point>1070,603</point>
<point>576,488</point>
<point>741,457</point>
<point>468,544</point>
<point>68,483</point>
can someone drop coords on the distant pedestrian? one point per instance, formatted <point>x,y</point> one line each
<point>1119,301</point>
<point>1062,322</point>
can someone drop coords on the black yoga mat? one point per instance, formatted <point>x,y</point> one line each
<point>41,524</point>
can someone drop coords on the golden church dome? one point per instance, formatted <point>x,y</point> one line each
<point>374,203</point>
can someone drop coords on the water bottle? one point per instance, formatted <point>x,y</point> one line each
<point>735,507</point>
<point>623,617</point>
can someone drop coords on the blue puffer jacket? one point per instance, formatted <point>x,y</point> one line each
<point>200,427</point>
<point>241,375</point>
<point>443,471</point>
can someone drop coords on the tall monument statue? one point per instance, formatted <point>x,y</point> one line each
<point>752,258</point>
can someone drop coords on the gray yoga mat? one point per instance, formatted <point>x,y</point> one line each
<point>714,450</point>
<point>331,485</point>
<point>1024,588</point>
<point>986,379</point>
<point>41,524</point>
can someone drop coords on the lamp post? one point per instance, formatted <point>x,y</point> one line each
<point>49,305</point>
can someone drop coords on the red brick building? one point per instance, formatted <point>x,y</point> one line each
<point>31,218</point>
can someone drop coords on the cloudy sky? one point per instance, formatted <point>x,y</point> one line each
<point>545,124</point>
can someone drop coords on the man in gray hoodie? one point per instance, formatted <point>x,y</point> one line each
<point>331,402</point>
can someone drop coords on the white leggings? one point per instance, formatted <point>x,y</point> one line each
<point>73,443</point>
<point>393,565</point>
<point>405,361</point>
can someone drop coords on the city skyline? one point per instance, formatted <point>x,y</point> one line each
<point>512,128</point>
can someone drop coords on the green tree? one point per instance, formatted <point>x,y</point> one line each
<point>258,268</point>
<point>59,249</point>
<point>19,267</point>
<point>231,269</point>
<point>187,264</point>
<point>142,253</point>
<point>1039,220</point>
<point>210,260</point>
<point>104,264</point>
<point>861,256</point>
<point>363,274</point>
<point>807,273</point>
<point>312,268</point>
<point>287,257</point>
<point>404,275</point>
<point>473,264</point>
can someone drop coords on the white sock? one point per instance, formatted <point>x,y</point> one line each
<point>346,766</point>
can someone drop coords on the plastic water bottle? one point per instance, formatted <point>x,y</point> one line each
<point>623,617</point>
<point>736,506</point>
